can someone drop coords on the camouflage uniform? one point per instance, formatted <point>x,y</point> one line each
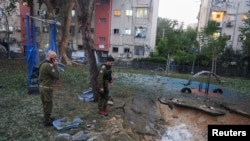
<point>103,80</point>
<point>48,74</point>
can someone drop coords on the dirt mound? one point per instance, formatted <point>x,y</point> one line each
<point>197,121</point>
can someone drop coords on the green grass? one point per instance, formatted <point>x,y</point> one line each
<point>21,114</point>
<point>241,85</point>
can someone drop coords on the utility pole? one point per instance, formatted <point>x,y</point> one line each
<point>163,33</point>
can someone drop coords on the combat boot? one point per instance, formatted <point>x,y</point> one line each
<point>105,109</point>
<point>102,113</point>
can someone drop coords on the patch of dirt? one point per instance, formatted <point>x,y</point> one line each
<point>197,121</point>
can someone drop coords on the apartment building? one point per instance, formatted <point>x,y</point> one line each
<point>229,15</point>
<point>12,27</point>
<point>125,29</point>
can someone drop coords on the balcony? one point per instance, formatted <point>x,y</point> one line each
<point>219,7</point>
<point>230,23</point>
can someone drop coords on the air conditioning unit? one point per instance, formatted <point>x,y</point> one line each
<point>219,24</point>
<point>129,55</point>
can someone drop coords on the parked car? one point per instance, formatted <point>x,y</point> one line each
<point>79,57</point>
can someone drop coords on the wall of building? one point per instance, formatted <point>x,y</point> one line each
<point>102,25</point>
<point>229,15</point>
<point>16,26</point>
<point>133,34</point>
<point>133,28</point>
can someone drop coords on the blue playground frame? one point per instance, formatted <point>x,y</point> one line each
<point>31,51</point>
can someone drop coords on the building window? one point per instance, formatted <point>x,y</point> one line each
<point>116,31</point>
<point>217,16</point>
<point>127,31</point>
<point>228,37</point>
<point>37,29</point>
<point>18,28</point>
<point>46,45</point>
<point>57,11</point>
<point>45,29</point>
<point>117,12</point>
<point>142,13</point>
<point>102,20</point>
<point>115,49</point>
<point>245,17</point>
<point>128,12</point>
<point>139,50</point>
<point>72,30</point>
<point>79,30</point>
<point>101,46</point>
<point>126,50</point>
<point>92,30</point>
<point>80,47</point>
<point>231,17</point>
<point>242,38</point>
<point>104,1</point>
<point>101,39</point>
<point>11,28</point>
<point>73,12</point>
<point>140,32</point>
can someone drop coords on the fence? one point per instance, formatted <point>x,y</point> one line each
<point>226,72</point>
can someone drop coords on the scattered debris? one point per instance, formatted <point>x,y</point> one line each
<point>177,133</point>
<point>65,123</point>
<point>86,96</point>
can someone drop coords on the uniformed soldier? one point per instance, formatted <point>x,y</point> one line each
<point>48,74</point>
<point>104,79</point>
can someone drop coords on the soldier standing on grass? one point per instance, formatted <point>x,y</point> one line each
<point>104,79</point>
<point>48,74</point>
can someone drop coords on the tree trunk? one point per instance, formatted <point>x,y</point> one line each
<point>50,9</point>
<point>85,10</point>
<point>63,45</point>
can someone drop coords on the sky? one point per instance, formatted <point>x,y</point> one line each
<point>181,10</point>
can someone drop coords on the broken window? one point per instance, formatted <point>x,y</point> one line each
<point>140,32</point>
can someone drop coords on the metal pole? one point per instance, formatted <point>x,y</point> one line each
<point>192,72</point>
<point>236,18</point>
<point>163,33</point>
